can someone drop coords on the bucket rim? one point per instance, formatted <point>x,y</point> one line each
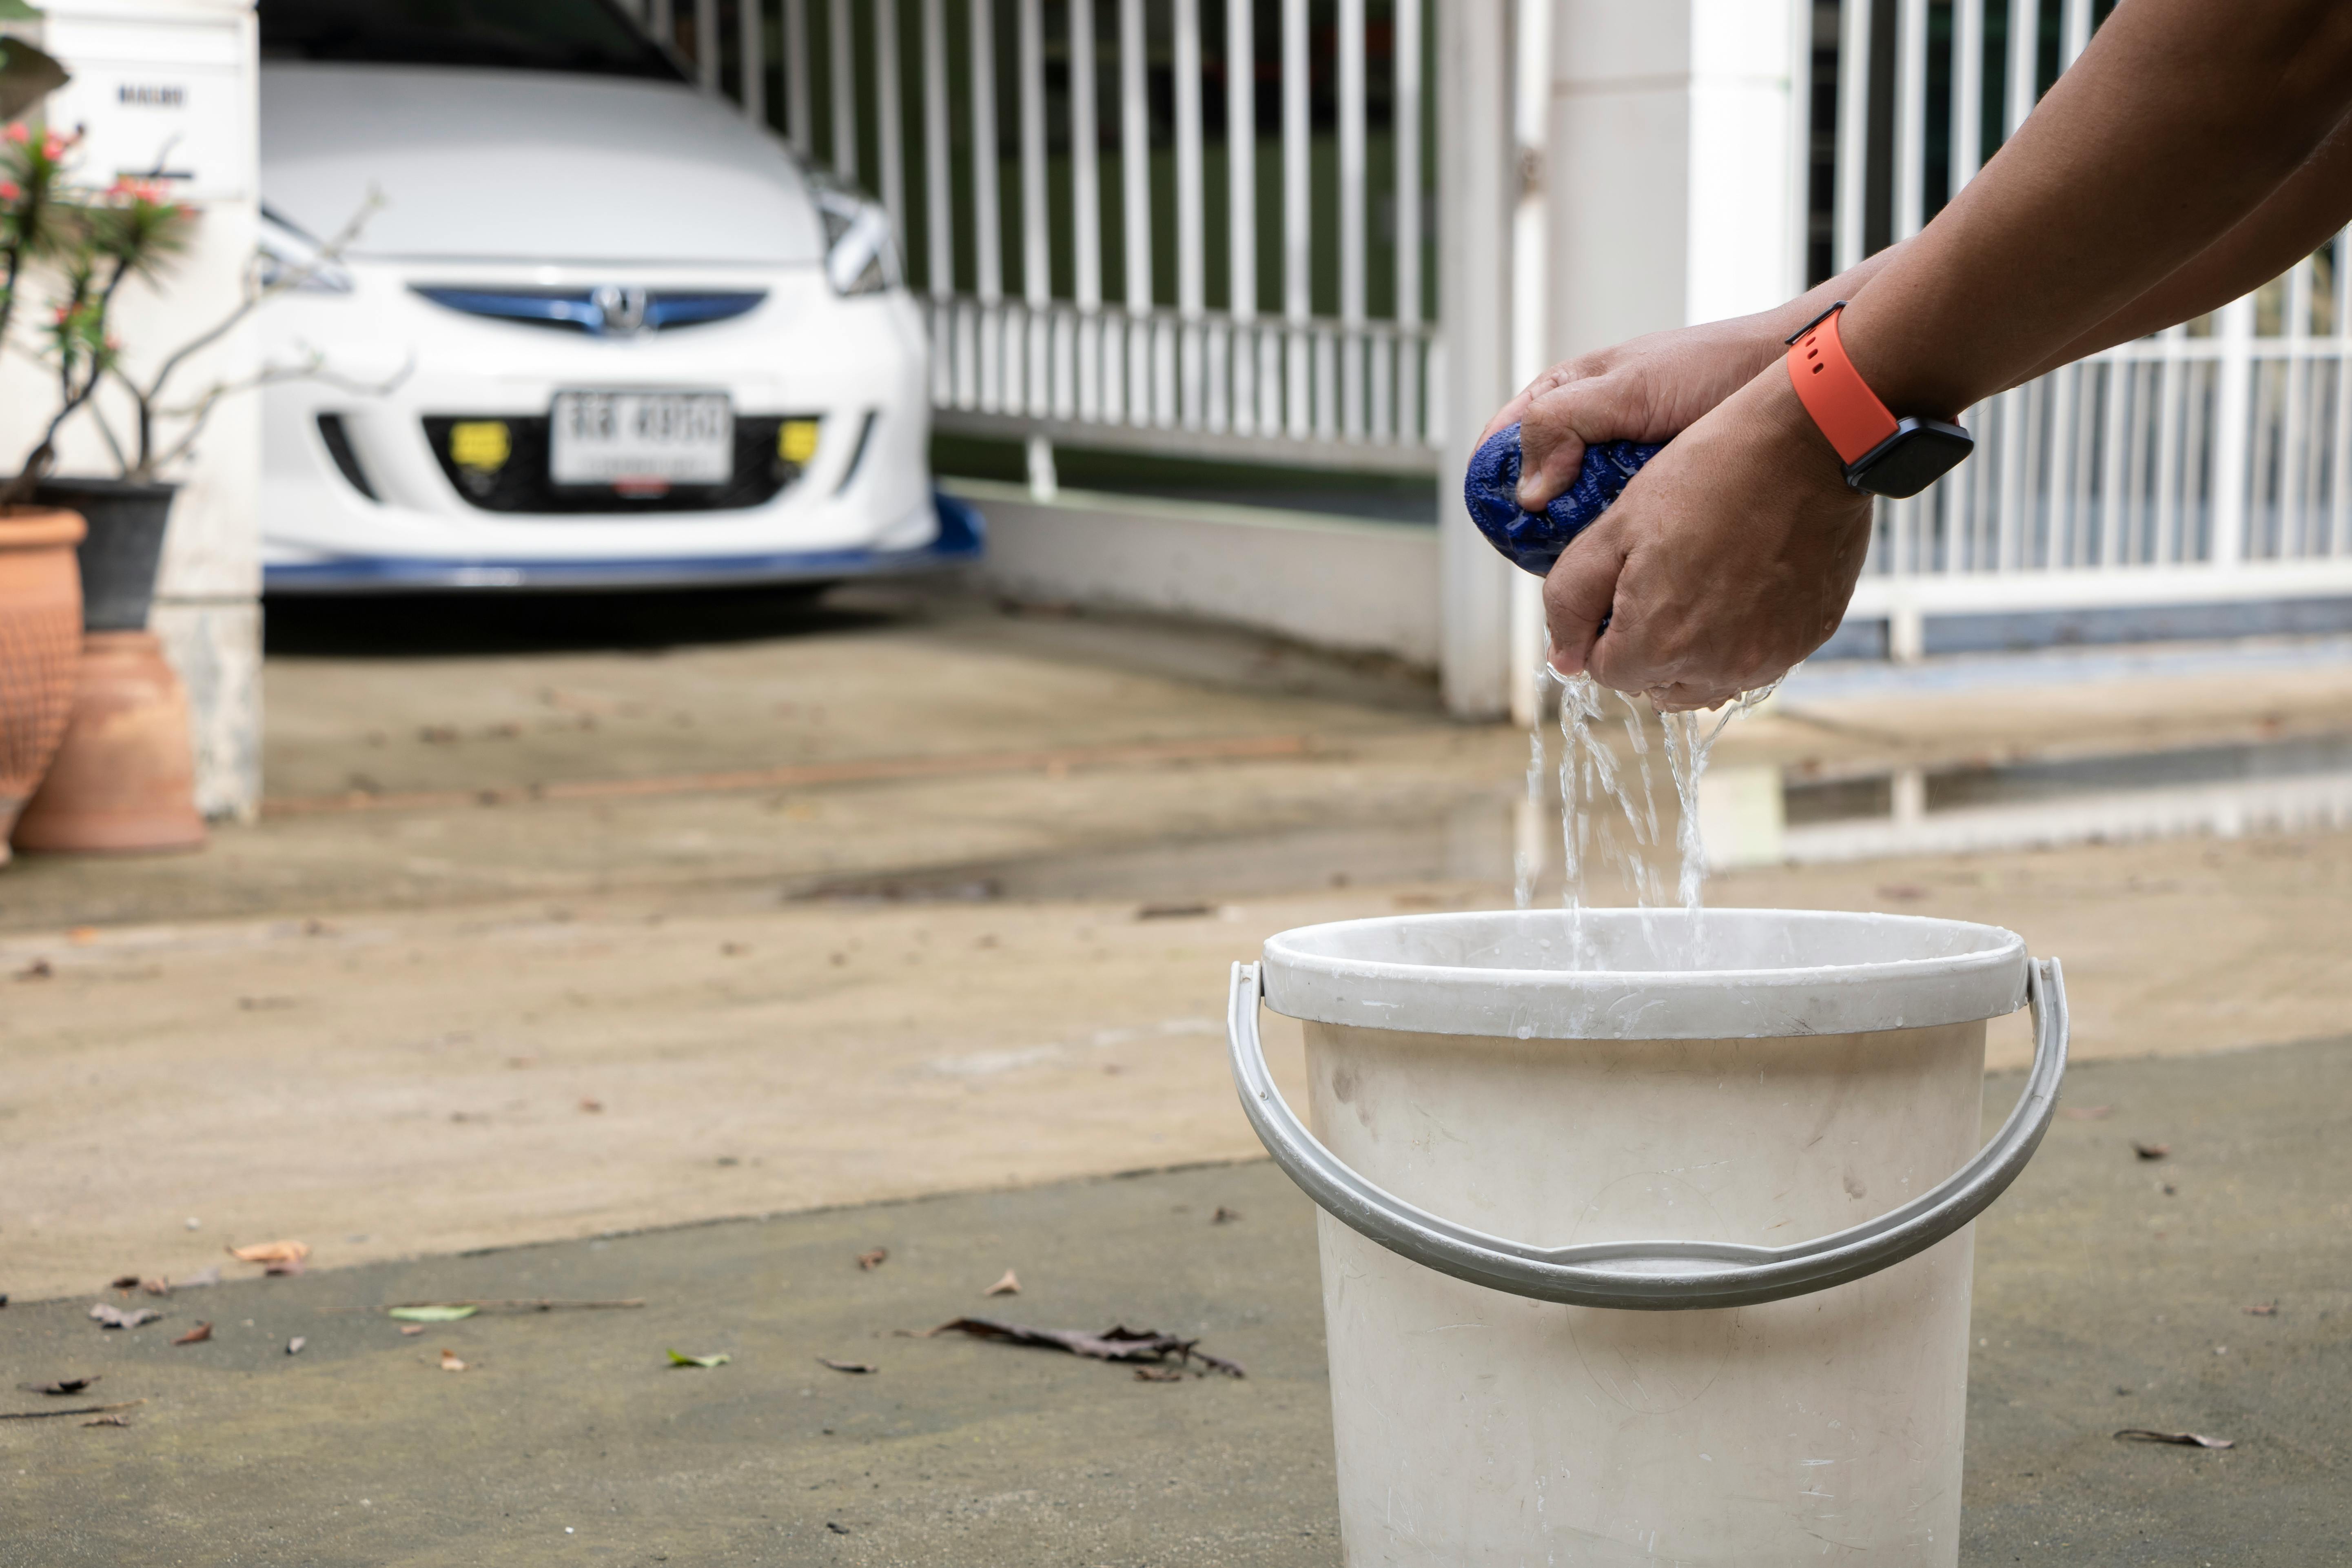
<point>1961,972</point>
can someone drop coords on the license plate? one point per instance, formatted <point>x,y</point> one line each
<point>640,437</point>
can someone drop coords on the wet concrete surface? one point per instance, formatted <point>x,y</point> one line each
<point>2104,1300</point>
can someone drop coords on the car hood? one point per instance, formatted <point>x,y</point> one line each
<point>521,165</point>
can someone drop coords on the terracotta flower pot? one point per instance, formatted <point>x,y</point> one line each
<point>124,778</point>
<point>40,646</point>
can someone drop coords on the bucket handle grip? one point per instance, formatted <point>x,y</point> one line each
<point>1653,1275</point>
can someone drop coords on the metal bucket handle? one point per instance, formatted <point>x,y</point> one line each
<point>1653,1275</point>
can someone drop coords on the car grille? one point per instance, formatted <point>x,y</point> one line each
<point>519,482</point>
<point>608,312</point>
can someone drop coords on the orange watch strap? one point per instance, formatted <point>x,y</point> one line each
<point>1834,391</point>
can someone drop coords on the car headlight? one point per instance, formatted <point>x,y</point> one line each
<point>859,258</point>
<point>292,260</point>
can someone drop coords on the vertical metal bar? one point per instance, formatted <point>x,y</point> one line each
<point>939,204</point>
<point>2073,31</point>
<point>1352,217</point>
<point>800,104</point>
<point>1295,211</point>
<point>2232,412</point>
<point>1135,194</point>
<point>889,125</point>
<point>751,59</point>
<point>1240,206</point>
<point>1852,129</point>
<point>1968,90</point>
<point>1910,117</point>
<point>2171,372</point>
<point>1086,209</point>
<point>987,211</point>
<point>2340,533</point>
<point>1800,145</point>
<point>842,79</point>
<point>706,45</point>
<point>1192,239</point>
<point>1405,94</point>
<point>2291,495</point>
<point>2024,41</point>
<point>1036,252</point>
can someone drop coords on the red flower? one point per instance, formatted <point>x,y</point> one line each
<point>10,190</point>
<point>17,135</point>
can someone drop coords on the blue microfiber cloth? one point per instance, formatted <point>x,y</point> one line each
<point>1533,540</point>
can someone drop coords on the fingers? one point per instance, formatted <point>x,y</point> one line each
<point>1551,450</point>
<point>1515,411</point>
<point>1578,593</point>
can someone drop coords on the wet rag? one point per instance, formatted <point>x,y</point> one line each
<point>1532,541</point>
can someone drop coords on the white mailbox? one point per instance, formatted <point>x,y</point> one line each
<point>160,88</point>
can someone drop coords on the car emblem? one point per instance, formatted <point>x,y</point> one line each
<point>620,308</point>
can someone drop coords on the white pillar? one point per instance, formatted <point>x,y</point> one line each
<point>1476,190</point>
<point>1670,166</point>
<point>193,65</point>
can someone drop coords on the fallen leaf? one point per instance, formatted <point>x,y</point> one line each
<point>1174,912</point>
<point>1158,1375</point>
<point>836,1528</point>
<point>294,1346</point>
<point>874,1259</point>
<point>1008,1286</point>
<point>1117,1343</point>
<point>412,1327</point>
<point>62,1385</point>
<point>271,1252</point>
<point>109,1421</point>
<point>2185,1439</point>
<point>2261,1310</point>
<point>81,936</point>
<point>196,1336</point>
<point>431,1314</point>
<point>39,969</point>
<point>1225,1216</point>
<point>845,1365</point>
<point>291,1265</point>
<point>592,1107</point>
<point>678,1358</point>
<point>124,1282</point>
<point>156,1286</point>
<point>449,1361</point>
<point>2086,1112</point>
<point>2152,1151</point>
<point>109,1316</point>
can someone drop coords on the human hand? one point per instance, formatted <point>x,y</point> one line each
<point>1727,559</point>
<point>1647,389</point>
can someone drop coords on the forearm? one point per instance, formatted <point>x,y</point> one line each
<point>2181,121</point>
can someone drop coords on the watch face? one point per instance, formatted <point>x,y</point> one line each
<point>1920,452</point>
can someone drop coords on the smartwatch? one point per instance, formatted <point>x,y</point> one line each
<point>1883,456</point>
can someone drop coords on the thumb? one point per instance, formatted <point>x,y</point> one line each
<point>1578,593</point>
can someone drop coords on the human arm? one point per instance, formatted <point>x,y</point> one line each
<point>2180,123</point>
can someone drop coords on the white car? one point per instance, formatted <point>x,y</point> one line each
<point>599,331</point>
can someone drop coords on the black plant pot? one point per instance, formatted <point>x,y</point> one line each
<point>119,553</point>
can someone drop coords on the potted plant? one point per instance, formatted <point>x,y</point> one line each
<point>40,586</point>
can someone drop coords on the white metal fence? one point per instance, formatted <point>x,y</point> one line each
<point>1187,222</point>
<point>2205,463</point>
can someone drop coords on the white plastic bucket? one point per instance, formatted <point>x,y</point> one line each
<point>1659,1258</point>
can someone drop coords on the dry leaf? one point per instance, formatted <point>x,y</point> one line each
<point>1117,1343</point>
<point>1225,1216</point>
<point>109,1421</point>
<point>2185,1439</point>
<point>592,1107</point>
<point>2152,1151</point>
<point>110,1317</point>
<point>1158,1375</point>
<point>294,1346</point>
<point>39,969</point>
<point>874,1259</point>
<point>271,1252</point>
<point>156,1286</point>
<point>2261,1310</point>
<point>291,1265</point>
<point>846,1365</point>
<point>1174,912</point>
<point>124,1282</point>
<point>412,1327</point>
<point>449,1361</point>
<point>196,1336</point>
<point>2086,1112</point>
<point>81,936</point>
<point>1008,1286</point>
<point>62,1385</point>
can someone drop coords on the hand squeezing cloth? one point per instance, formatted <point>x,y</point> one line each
<point>1532,541</point>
